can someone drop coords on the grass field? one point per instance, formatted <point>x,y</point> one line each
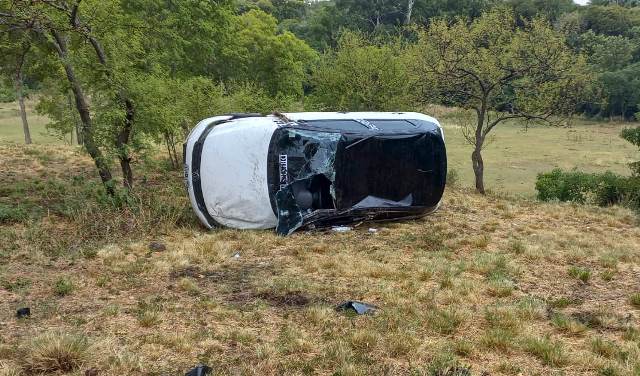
<point>512,159</point>
<point>11,125</point>
<point>503,286</point>
<point>495,285</point>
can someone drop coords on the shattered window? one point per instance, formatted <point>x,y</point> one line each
<point>393,125</point>
<point>337,125</point>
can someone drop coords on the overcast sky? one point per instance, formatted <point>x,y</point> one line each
<point>581,2</point>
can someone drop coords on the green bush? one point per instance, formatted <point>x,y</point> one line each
<point>573,186</point>
<point>580,187</point>
<point>633,136</point>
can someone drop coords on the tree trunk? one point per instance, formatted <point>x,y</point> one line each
<point>23,111</point>
<point>83,110</point>
<point>171,148</point>
<point>124,136</point>
<point>478,169</point>
<point>410,4</point>
<point>476,156</point>
<point>122,142</point>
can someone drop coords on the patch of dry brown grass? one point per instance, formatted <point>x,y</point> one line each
<point>482,278</point>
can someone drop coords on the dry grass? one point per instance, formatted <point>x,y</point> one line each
<point>484,283</point>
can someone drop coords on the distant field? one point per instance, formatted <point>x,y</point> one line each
<point>516,155</point>
<point>512,160</point>
<point>11,126</point>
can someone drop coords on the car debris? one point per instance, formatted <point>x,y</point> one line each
<point>23,312</point>
<point>199,370</point>
<point>157,247</point>
<point>356,307</point>
<point>341,229</point>
<point>314,170</point>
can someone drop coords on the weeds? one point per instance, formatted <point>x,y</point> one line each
<point>567,324</point>
<point>444,321</point>
<point>550,352</point>
<point>54,352</point>
<point>63,286</point>
<point>583,274</point>
<point>603,347</point>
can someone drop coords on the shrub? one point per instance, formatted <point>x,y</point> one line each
<point>548,351</point>
<point>55,352</point>
<point>580,187</point>
<point>564,186</point>
<point>11,214</point>
<point>633,136</point>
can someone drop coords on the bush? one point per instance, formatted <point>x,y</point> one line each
<point>563,186</point>
<point>7,94</point>
<point>580,187</point>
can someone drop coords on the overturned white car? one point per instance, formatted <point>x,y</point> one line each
<point>312,170</point>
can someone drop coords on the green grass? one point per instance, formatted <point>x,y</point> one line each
<point>11,125</point>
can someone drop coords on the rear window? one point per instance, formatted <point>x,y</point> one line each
<point>360,125</point>
<point>393,125</point>
<point>336,125</point>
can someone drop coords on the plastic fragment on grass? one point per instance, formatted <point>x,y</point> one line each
<point>199,370</point>
<point>356,307</point>
<point>23,312</point>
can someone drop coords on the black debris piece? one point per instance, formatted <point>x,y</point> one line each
<point>359,308</point>
<point>157,247</point>
<point>199,370</point>
<point>23,312</point>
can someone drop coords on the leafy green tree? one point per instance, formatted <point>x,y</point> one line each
<point>52,22</point>
<point>278,61</point>
<point>425,10</point>
<point>359,75</point>
<point>611,20</point>
<point>633,136</point>
<point>552,10</point>
<point>623,3</point>
<point>321,25</point>
<point>607,53</point>
<point>499,71</point>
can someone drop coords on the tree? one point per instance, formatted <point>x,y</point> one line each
<point>500,71</point>
<point>611,20</point>
<point>258,53</point>
<point>361,76</point>
<point>633,136</point>
<point>527,10</point>
<point>105,48</point>
<point>12,65</point>
<point>43,19</point>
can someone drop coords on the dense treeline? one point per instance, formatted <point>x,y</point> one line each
<point>121,75</point>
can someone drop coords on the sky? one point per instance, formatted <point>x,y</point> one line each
<point>581,2</point>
